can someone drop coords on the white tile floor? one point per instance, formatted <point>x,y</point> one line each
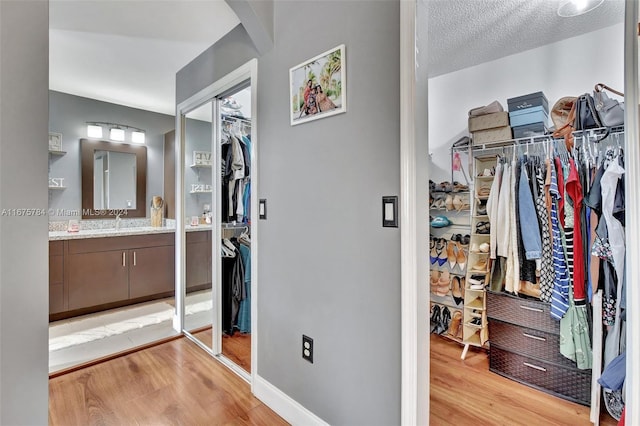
<point>82,339</point>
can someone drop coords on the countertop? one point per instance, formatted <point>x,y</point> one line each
<point>122,232</point>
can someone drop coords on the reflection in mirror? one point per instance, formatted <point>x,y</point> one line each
<point>198,134</point>
<point>114,180</point>
<point>235,271</point>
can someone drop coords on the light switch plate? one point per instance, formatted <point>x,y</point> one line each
<point>390,211</point>
<point>262,208</point>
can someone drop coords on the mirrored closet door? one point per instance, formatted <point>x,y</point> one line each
<point>216,136</point>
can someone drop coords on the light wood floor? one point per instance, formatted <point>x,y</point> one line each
<point>237,347</point>
<point>467,393</point>
<point>172,383</point>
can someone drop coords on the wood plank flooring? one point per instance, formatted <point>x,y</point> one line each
<point>467,393</point>
<point>172,383</point>
<point>237,347</point>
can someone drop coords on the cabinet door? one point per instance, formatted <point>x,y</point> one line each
<point>198,260</point>
<point>98,278</point>
<point>151,271</point>
<point>56,277</point>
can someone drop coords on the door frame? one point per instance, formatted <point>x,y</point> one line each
<point>248,71</point>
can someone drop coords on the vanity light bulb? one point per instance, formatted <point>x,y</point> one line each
<point>94,131</point>
<point>116,134</point>
<point>137,137</point>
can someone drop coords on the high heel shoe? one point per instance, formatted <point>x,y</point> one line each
<point>442,255</point>
<point>451,254</point>
<point>461,257</point>
<point>436,318</point>
<point>433,254</point>
<point>457,290</point>
<point>455,325</point>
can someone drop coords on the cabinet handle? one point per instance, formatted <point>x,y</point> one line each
<point>535,367</point>
<point>124,258</point>
<point>134,258</point>
<point>530,336</point>
<point>531,309</point>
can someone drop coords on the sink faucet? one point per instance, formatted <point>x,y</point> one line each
<point>118,220</point>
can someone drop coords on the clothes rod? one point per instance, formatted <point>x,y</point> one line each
<point>597,132</point>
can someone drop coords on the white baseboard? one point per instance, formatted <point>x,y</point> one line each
<point>283,405</point>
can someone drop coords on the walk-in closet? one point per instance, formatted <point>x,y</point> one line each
<point>526,266</point>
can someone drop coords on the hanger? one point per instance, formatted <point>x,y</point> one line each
<point>244,236</point>
<point>228,244</point>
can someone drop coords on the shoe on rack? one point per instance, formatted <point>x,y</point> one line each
<point>461,257</point>
<point>445,320</point>
<point>494,106</point>
<point>483,228</point>
<point>480,265</point>
<point>457,290</point>
<point>440,249</point>
<point>456,321</point>
<point>441,222</point>
<point>484,248</point>
<point>476,282</point>
<point>433,280</point>
<point>444,283</point>
<point>435,317</point>
<point>451,254</point>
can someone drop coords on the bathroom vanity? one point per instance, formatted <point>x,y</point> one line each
<point>95,270</point>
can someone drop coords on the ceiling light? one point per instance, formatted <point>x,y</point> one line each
<point>137,136</point>
<point>569,8</point>
<point>94,131</point>
<point>116,134</point>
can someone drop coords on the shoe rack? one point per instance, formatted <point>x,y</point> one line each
<point>474,324</point>
<point>448,257</point>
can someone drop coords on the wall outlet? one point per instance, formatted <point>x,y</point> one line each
<point>307,348</point>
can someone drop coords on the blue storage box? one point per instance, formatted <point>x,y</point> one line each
<point>528,116</point>
<point>528,101</point>
<point>529,130</point>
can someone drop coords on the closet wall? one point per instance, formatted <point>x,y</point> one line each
<point>327,267</point>
<point>558,69</point>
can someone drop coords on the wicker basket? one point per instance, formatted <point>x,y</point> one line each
<point>524,312</point>
<point>534,343</point>
<point>567,383</point>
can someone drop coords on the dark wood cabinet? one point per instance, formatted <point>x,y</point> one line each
<point>98,278</point>
<point>198,260</point>
<point>56,277</point>
<point>151,271</point>
<point>93,274</point>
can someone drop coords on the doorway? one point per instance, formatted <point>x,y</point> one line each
<point>216,221</point>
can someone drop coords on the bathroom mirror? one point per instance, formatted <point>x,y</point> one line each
<point>114,178</point>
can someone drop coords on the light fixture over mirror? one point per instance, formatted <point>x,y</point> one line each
<point>569,8</point>
<point>117,132</point>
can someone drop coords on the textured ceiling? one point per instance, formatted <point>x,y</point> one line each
<point>463,33</point>
<point>128,51</point>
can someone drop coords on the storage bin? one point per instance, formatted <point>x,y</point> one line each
<point>529,130</point>
<point>489,121</point>
<point>491,135</point>
<point>528,101</point>
<point>526,116</point>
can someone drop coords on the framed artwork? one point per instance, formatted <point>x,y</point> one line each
<point>55,141</point>
<point>318,87</point>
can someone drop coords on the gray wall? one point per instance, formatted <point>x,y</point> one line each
<point>197,138</point>
<point>326,266</point>
<point>24,303</point>
<point>68,114</point>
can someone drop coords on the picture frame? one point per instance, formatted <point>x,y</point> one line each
<point>318,87</point>
<point>55,141</point>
